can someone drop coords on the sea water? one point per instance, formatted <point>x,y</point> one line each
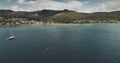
<point>95,43</point>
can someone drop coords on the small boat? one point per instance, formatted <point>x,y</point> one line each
<point>11,38</point>
<point>12,34</point>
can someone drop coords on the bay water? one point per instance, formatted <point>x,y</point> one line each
<point>85,43</point>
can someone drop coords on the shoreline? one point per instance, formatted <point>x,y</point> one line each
<point>58,24</point>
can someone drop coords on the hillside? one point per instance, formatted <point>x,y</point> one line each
<point>58,16</point>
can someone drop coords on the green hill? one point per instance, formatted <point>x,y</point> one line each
<point>62,16</point>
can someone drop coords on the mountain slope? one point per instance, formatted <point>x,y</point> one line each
<point>62,16</point>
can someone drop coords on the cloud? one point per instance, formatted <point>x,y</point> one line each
<point>9,1</point>
<point>80,6</point>
<point>55,5</point>
<point>16,8</point>
<point>112,5</point>
<point>20,1</point>
<point>50,4</point>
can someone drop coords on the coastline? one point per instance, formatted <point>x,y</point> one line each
<point>60,24</point>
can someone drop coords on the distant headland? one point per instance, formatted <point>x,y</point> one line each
<point>8,17</point>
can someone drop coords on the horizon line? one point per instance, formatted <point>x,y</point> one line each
<point>55,10</point>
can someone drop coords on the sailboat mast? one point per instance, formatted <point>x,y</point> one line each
<point>11,27</point>
<point>11,37</point>
<point>12,32</point>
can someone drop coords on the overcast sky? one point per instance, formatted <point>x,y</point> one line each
<point>77,5</point>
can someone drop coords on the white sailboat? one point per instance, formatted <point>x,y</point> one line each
<point>12,36</point>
